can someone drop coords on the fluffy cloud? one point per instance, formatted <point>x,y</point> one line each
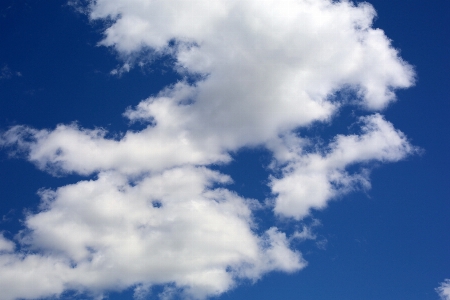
<point>296,51</point>
<point>267,69</point>
<point>106,234</point>
<point>156,214</point>
<point>309,180</point>
<point>444,290</point>
<point>5,245</point>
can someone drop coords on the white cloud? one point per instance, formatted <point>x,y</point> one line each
<point>309,180</point>
<point>6,245</point>
<point>270,68</point>
<point>125,68</point>
<point>154,215</point>
<point>296,50</point>
<point>69,148</point>
<point>444,290</point>
<point>106,234</point>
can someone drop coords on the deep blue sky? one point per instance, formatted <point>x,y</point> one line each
<point>391,242</point>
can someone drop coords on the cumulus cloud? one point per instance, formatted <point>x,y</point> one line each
<point>309,180</point>
<point>296,50</point>
<point>156,214</point>
<point>444,290</point>
<point>106,234</point>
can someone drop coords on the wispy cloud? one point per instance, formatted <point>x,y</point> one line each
<point>156,214</point>
<point>444,290</point>
<point>7,73</point>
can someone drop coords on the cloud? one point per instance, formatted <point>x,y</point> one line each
<point>309,180</point>
<point>6,73</point>
<point>5,245</point>
<point>268,68</point>
<point>444,290</point>
<point>125,68</point>
<point>296,51</point>
<point>155,213</point>
<point>106,234</point>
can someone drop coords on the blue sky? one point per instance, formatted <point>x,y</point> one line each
<point>120,122</point>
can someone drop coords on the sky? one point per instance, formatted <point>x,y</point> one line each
<point>225,149</point>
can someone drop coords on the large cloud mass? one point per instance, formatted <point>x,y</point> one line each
<point>257,70</point>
